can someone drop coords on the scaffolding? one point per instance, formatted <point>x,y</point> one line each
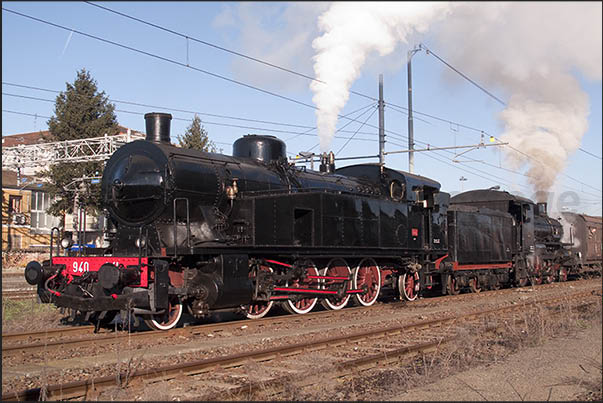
<point>82,150</point>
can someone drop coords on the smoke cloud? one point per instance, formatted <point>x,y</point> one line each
<point>352,30</point>
<point>527,53</point>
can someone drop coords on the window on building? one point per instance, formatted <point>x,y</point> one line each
<point>40,201</point>
<point>15,241</point>
<point>14,204</point>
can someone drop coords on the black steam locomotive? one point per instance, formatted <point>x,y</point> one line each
<point>206,232</point>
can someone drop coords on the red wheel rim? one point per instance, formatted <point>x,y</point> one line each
<point>336,268</point>
<point>474,285</point>
<point>304,305</point>
<point>453,286</point>
<point>258,309</point>
<point>367,275</point>
<point>168,320</point>
<point>563,274</point>
<point>408,286</point>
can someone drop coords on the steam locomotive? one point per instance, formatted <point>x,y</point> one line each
<point>203,232</point>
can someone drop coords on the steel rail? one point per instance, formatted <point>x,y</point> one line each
<point>12,349</point>
<point>83,388</point>
<point>353,366</point>
<point>10,338</point>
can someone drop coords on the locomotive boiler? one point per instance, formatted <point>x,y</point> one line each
<point>202,232</point>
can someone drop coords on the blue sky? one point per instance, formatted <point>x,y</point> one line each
<point>38,55</point>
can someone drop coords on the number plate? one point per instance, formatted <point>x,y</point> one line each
<point>77,266</point>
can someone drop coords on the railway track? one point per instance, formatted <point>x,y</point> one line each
<point>75,337</point>
<point>47,341</point>
<point>21,294</point>
<point>13,275</point>
<point>345,354</point>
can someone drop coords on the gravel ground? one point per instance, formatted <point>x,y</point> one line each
<point>100,361</point>
<point>566,368</point>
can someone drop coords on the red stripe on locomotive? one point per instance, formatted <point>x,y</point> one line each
<point>77,266</point>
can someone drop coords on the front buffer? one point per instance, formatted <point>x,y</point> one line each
<point>99,287</point>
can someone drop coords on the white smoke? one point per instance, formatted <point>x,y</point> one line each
<point>352,30</point>
<point>528,53</point>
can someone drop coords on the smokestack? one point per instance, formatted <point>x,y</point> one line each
<point>158,127</point>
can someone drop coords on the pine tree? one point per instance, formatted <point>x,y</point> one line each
<point>196,137</point>
<point>81,111</point>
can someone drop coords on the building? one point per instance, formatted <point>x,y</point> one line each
<point>25,223</point>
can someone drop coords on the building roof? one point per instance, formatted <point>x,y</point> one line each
<point>40,137</point>
<point>9,180</point>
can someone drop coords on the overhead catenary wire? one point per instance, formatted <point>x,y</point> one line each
<point>222,48</point>
<point>210,73</point>
<point>311,128</point>
<point>178,63</point>
<point>429,51</point>
<point>351,138</point>
<point>589,153</point>
<point>166,59</point>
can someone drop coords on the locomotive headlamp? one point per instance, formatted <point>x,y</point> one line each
<point>66,242</point>
<point>140,242</point>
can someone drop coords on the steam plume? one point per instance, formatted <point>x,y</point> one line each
<point>527,53</point>
<point>351,31</point>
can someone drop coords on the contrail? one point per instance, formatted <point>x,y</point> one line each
<point>66,44</point>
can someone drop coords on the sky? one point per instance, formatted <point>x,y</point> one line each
<point>235,96</point>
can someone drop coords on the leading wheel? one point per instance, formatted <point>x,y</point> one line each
<point>167,320</point>
<point>452,286</point>
<point>258,309</point>
<point>336,268</point>
<point>408,284</point>
<point>563,274</point>
<point>303,305</point>
<point>474,285</point>
<point>367,275</point>
<point>536,279</point>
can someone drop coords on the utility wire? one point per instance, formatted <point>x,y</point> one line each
<point>366,109</point>
<point>177,63</point>
<point>224,77</point>
<point>311,128</point>
<point>26,114</point>
<point>262,61</point>
<point>350,139</point>
<point>213,45</point>
<point>463,75</point>
<point>259,129</point>
<point>589,153</point>
<point>167,60</point>
<point>296,134</point>
<point>486,91</point>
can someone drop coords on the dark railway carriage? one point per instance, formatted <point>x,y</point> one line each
<point>586,239</point>
<point>205,232</point>
<point>537,253</point>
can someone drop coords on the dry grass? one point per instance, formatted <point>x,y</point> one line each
<point>17,314</point>
<point>19,259</point>
<point>530,329</point>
